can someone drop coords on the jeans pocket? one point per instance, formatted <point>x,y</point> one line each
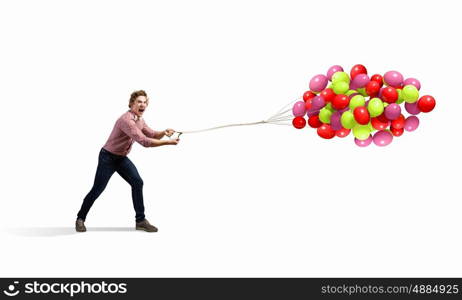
<point>105,157</point>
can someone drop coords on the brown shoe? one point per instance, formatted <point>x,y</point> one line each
<point>146,226</point>
<point>80,225</point>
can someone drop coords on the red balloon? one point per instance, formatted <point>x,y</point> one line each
<point>373,88</point>
<point>328,94</point>
<point>325,131</point>
<point>308,104</point>
<point>398,123</point>
<point>397,132</point>
<point>299,122</point>
<point>389,94</point>
<point>357,69</point>
<point>314,121</point>
<point>361,115</point>
<point>379,123</point>
<point>426,103</point>
<point>342,132</point>
<point>378,78</point>
<point>382,118</point>
<point>308,95</point>
<point>340,101</point>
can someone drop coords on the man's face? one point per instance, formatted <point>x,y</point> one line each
<point>139,106</point>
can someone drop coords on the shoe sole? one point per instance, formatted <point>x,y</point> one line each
<point>144,229</point>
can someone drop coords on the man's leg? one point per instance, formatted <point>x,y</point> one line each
<point>106,167</point>
<point>128,171</point>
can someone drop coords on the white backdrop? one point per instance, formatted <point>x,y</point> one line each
<point>257,201</point>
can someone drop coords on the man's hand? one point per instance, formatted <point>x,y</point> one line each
<point>169,132</point>
<point>173,142</point>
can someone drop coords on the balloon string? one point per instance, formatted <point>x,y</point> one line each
<point>276,119</point>
<point>281,112</point>
<point>277,123</point>
<point>282,118</point>
<point>222,126</point>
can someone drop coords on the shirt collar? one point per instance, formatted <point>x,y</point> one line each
<point>135,117</point>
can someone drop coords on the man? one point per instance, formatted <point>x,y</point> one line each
<point>130,127</point>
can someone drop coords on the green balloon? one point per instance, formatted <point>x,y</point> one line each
<point>324,115</point>
<point>410,93</point>
<point>350,92</point>
<point>340,76</point>
<point>362,91</point>
<point>375,107</point>
<point>348,120</point>
<point>371,128</point>
<point>340,87</point>
<point>356,101</point>
<point>329,86</point>
<point>329,107</point>
<point>400,96</point>
<point>361,132</point>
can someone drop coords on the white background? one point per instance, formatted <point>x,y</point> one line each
<point>251,201</point>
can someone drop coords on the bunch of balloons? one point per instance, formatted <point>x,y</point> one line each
<point>370,107</point>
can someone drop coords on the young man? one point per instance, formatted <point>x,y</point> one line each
<point>130,127</point>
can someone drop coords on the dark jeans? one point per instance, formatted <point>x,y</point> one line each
<point>109,163</point>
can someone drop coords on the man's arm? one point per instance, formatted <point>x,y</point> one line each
<point>156,142</point>
<point>157,134</point>
<point>130,129</point>
<point>152,133</point>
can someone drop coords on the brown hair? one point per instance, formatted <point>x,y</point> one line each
<point>135,95</point>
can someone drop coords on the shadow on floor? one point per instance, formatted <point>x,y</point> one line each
<point>60,231</point>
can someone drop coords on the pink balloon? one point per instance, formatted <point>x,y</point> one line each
<point>353,86</point>
<point>318,102</point>
<point>364,143</point>
<point>312,112</point>
<point>392,111</point>
<point>332,70</point>
<point>382,138</point>
<point>335,121</point>
<point>412,108</point>
<point>318,83</point>
<point>360,81</point>
<point>299,110</point>
<point>412,81</point>
<point>411,123</point>
<point>393,78</point>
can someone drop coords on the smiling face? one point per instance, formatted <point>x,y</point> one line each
<point>139,105</point>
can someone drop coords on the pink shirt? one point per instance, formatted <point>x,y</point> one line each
<point>128,129</point>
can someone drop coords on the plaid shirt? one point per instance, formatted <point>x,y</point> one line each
<point>128,129</point>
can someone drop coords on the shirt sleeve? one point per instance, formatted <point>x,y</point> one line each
<point>149,132</point>
<point>130,129</point>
